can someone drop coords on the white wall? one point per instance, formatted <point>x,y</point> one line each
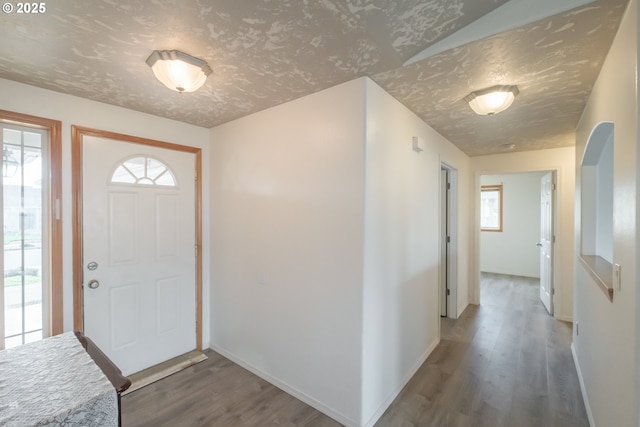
<point>325,246</point>
<point>71,110</point>
<point>464,225</point>
<point>401,247</point>
<point>606,349</point>
<point>513,250</point>
<point>287,208</point>
<point>561,160</point>
<point>604,223</point>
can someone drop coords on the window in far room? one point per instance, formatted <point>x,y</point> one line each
<point>491,208</point>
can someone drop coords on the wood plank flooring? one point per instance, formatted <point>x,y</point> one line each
<point>506,362</point>
<point>503,363</point>
<point>217,392</point>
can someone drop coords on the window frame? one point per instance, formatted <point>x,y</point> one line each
<point>499,190</point>
<point>138,178</point>
<point>55,291</point>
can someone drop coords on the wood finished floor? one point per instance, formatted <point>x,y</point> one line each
<point>506,362</point>
<point>503,363</point>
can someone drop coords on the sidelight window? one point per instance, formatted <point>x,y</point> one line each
<point>31,284</point>
<point>25,234</point>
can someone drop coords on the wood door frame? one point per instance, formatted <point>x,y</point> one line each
<point>54,128</point>
<point>77,134</point>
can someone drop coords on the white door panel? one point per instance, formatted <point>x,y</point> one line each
<point>122,228</point>
<point>546,241</point>
<point>142,237</point>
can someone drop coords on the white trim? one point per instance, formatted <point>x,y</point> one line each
<point>452,255</point>
<point>376,416</point>
<point>287,388</point>
<point>319,405</point>
<point>453,311</point>
<point>583,389</point>
<point>462,309</point>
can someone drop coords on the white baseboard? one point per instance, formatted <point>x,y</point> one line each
<point>320,406</point>
<point>585,397</point>
<point>462,309</point>
<point>376,416</point>
<point>287,388</point>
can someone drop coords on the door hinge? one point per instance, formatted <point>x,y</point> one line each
<point>196,248</point>
<point>553,291</point>
<point>448,186</point>
<point>553,186</point>
<point>448,292</point>
<point>195,174</point>
<point>448,239</point>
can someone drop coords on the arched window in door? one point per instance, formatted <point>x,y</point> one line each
<point>143,170</point>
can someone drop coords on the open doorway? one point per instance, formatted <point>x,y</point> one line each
<point>517,229</point>
<point>448,242</point>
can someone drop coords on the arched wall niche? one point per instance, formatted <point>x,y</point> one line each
<point>596,205</point>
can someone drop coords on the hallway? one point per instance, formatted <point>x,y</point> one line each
<point>503,363</point>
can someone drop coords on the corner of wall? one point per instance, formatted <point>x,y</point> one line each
<point>585,396</point>
<point>401,261</point>
<point>602,340</point>
<point>287,212</point>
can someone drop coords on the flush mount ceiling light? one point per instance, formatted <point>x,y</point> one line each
<point>177,70</point>
<point>493,100</point>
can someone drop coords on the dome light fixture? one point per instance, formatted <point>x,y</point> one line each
<point>493,100</point>
<point>177,70</point>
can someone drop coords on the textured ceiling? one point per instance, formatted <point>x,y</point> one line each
<point>554,63</point>
<point>266,52</point>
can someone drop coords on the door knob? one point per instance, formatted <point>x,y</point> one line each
<point>93,284</point>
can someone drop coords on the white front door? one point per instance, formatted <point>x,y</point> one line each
<point>139,263</point>
<point>546,241</point>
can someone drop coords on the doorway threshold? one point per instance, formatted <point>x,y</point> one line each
<point>164,369</point>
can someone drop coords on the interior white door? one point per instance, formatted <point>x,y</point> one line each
<point>139,284</point>
<point>444,234</point>
<point>546,241</point>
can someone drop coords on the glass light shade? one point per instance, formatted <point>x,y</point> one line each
<point>177,70</point>
<point>493,100</point>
